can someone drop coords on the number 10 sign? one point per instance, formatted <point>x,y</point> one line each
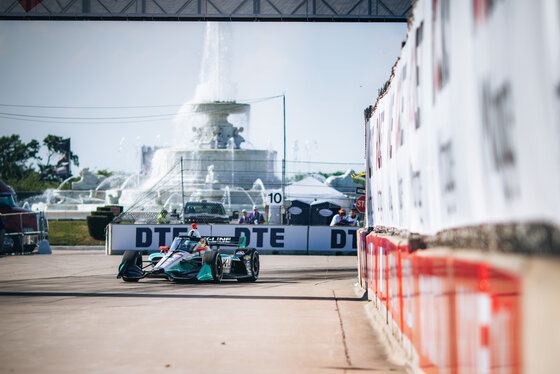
<point>275,198</point>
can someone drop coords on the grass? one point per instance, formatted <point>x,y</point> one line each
<point>71,233</point>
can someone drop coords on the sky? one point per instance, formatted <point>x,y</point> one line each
<point>101,83</point>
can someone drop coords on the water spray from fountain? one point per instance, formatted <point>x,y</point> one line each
<point>215,162</point>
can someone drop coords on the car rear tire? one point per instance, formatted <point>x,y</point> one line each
<point>12,243</point>
<point>255,268</point>
<point>29,248</point>
<point>18,244</point>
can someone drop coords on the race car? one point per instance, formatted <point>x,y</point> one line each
<point>192,257</point>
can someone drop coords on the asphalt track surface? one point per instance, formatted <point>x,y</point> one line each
<point>67,313</point>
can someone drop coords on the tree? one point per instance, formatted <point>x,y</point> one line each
<point>56,145</point>
<point>15,156</point>
<point>106,173</point>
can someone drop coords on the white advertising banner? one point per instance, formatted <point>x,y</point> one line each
<point>332,240</point>
<point>148,237</point>
<point>266,238</point>
<point>467,132</point>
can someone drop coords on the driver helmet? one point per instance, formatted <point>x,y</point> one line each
<point>194,232</point>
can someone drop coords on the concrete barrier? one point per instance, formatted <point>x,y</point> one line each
<point>471,311</point>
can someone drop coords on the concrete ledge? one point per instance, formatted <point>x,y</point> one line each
<point>534,237</point>
<point>395,350</point>
<point>54,215</point>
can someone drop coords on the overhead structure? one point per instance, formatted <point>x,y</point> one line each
<point>209,10</point>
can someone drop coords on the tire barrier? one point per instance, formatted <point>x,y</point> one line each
<point>447,313</point>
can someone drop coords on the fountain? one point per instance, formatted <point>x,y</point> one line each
<point>210,163</point>
<point>216,145</point>
<point>216,168</point>
<point>228,165</point>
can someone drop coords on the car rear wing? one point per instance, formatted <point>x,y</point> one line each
<point>226,241</point>
<point>221,241</point>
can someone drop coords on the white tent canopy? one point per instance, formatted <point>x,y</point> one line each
<point>310,190</point>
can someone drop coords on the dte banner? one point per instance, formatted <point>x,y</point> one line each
<point>332,240</point>
<point>148,237</point>
<point>268,239</point>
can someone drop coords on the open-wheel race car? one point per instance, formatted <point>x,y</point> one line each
<point>192,257</point>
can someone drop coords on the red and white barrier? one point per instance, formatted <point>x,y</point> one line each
<point>454,315</point>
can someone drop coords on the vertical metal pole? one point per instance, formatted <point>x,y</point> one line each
<point>22,234</point>
<point>283,210</point>
<point>182,188</point>
<point>68,174</point>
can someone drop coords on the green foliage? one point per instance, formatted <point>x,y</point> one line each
<point>96,224</point>
<point>360,181</point>
<point>298,177</point>
<point>336,174</point>
<point>47,173</point>
<point>15,156</point>
<point>17,168</point>
<point>57,145</point>
<point>30,182</point>
<point>105,173</point>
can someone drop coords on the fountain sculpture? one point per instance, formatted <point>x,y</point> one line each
<point>217,168</point>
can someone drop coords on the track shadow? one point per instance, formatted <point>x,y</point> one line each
<point>173,296</point>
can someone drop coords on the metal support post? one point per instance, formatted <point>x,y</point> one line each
<point>182,188</point>
<point>283,210</point>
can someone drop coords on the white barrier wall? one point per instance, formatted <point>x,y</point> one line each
<point>266,238</point>
<point>469,130</point>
